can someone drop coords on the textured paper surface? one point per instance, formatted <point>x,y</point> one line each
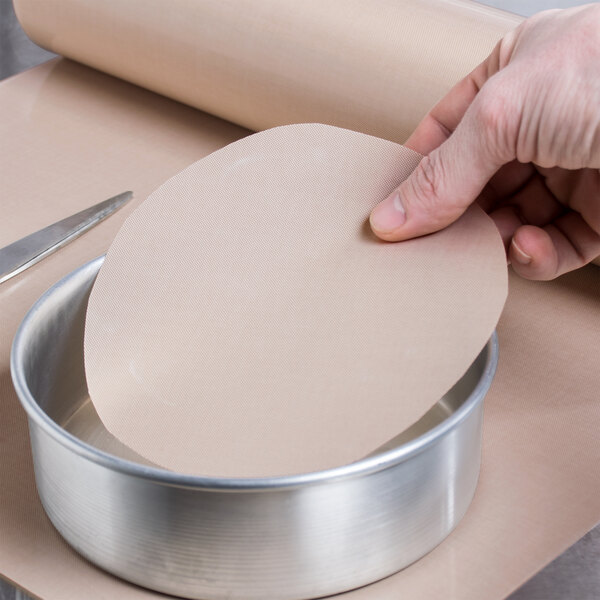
<point>375,66</point>
<point>247,323</point>
<point>71,132</point>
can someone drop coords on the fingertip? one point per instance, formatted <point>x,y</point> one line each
<point>392,222</point>
<point>532,254</point>
<point>395,219</point>
<point>388,217</point>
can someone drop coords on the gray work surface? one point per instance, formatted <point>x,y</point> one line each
<point>575,574</point>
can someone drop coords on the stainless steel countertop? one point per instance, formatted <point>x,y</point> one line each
<point>575,574</point>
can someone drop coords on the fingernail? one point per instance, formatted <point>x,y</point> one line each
<point>389,214</point>
<point>521,257</point>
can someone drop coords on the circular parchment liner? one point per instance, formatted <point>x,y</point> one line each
<point>247,323</point>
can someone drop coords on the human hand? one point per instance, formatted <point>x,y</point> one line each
<point>521,136</point>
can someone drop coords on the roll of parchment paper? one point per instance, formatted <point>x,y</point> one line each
<point>375,66</point>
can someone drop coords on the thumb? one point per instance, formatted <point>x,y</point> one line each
<point>447,180</point>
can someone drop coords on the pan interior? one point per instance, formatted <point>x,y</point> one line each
<point>84,423</point>
<point>55,375</point>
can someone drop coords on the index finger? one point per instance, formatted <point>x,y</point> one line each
<point>437,126</point>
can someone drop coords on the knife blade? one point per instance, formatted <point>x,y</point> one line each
<point>27,251</point>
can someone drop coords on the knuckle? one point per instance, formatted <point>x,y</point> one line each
<point>491,112</point>
<point>497,118</point>
<point>494,108</point>
<point>426,176</point>
<point>427,181</point>
<point>426,189</point>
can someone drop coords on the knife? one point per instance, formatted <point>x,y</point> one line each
<point>27,251</point>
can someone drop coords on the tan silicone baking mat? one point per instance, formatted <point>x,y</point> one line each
<point>263,329</point>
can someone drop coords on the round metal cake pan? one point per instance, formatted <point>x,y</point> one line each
<point>281,538</point>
